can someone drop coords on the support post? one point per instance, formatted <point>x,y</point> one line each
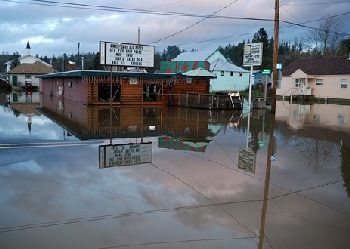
<point>110,107</point>
<point>250,86</point>
<point>275,56</point>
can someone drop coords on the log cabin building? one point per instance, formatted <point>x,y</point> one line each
<point>92,87</point>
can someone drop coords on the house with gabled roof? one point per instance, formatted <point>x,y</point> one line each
<point>229,77</point>
<point>324,78</point>
<point>24,74</point>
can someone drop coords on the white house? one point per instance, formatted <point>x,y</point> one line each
<point>25,73</point>
<point>229,76</point>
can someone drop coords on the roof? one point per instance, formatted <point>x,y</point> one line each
<point>199,72</point>
<point>202,55</point>
<point>35,68</point>
<point>102,73</point>
<point>319,66</point>
<point>224,65</point>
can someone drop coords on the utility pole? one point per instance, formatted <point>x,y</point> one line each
<point>78,62</point>
<point>138,36</point>
<point>275,56</point>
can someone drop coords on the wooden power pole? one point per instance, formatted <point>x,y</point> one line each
<point>275,55</point>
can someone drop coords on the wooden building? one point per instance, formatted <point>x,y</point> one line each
<point>92,87</point>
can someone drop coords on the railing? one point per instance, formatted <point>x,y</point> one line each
<point>208,101</point>
<point>292,90</point>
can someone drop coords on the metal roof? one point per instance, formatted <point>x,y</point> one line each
<point>224,65</point>
<point>202,55</point>
<point>102,73</point>
<point>199,72</point>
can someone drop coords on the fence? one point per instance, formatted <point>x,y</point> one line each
<point>208,101</point>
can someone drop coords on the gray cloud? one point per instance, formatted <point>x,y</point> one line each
<point>57,30</point>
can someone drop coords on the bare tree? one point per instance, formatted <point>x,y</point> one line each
<point>326,36</point>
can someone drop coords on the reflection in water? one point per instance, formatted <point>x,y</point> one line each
<point>189,199</point>
<point>179,126</point>
<point>345,165</point>
<point>113,155</point>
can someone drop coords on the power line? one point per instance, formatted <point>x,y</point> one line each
<point>310,4</point>
<point>290,24</point>
<point>196,23</point>
<point>170,13</point>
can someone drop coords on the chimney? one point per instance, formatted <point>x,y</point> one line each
<point>71,65</point>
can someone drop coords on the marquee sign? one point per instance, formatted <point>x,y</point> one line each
<point>126,54</point>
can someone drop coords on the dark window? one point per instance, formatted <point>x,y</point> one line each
<point>14,80</point>
<point>152,92</point>
<point>104,92</point>
<point>231,73</point>
<point>222,73</point>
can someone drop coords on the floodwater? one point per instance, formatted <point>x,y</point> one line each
<point>205,179</point>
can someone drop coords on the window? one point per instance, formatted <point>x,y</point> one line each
<point>319,82</point>
<point>344,83</point>
<point>222,73</point>
<point>297,83</point>
<point>341,121</point>
<point>69,84</point>
<point>231,73</point>
<point>14,80</point>
<point>240,74</point>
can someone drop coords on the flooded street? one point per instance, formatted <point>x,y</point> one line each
<point>204,186</point>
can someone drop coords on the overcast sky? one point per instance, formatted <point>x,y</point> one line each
<point>56,27</point>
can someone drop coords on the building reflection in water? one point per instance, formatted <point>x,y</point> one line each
<point>25,103</point>
<point>175,127</point>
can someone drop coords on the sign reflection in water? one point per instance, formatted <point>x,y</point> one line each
<point>113,155</point>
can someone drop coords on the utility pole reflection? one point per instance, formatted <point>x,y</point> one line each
<point>267,181</point>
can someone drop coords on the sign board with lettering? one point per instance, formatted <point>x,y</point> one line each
<point>252,54</point>
<point>126,54</point>
<point>124,154</point>
<point>247,160</point>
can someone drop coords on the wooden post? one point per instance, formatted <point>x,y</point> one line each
<point>275,56</point>
<point>110,108</point>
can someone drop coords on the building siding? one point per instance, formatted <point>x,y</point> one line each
<point>330,88</point>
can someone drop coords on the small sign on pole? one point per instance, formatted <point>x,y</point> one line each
<point>247,160</point>
<point>252,56</point>
<point>266,71</point>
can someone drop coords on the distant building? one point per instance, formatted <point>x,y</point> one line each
<point>325,78</point>
<point>229,76</point>
<point>24,74</point>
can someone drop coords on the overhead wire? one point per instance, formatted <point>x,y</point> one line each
<point>310,4</point>
<point>172,13</point>
<point>196,23</point>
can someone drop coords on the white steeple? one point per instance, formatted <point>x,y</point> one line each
<point>28,49</point>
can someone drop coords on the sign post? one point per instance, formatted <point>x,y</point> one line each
<point>252,56</point>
